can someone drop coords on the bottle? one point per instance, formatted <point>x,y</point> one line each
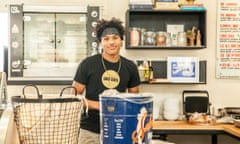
<point>150,71</point>
<point>146,70</point>
<point>141,72</point>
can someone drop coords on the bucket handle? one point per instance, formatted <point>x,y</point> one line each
<point>83,98</point>
<point>32,85</point>
<point>75,90</point>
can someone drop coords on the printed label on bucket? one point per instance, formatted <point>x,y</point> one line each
<point>142,133</point>
<point>125,121</point>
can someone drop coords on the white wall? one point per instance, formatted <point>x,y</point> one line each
<point>223,92</point>
<point>3,36</point>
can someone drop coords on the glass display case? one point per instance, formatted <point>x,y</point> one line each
<point>47,43</point>
<point>54,44</point>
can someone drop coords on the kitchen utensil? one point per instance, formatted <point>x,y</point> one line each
<point>47,120</point>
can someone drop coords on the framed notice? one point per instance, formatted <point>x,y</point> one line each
<point>228,39</point>
<point>183,69</point>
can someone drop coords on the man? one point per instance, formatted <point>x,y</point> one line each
<point>108,70</point>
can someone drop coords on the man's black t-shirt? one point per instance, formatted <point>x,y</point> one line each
<point>90,73</point>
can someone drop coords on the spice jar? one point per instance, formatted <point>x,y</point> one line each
<point>142,31</point>
<point>149,38</point>
<point>134,37</point>
<point>161,38</point>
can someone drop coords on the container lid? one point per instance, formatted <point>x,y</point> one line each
<point>115,93</point>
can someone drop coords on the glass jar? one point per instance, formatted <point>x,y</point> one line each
<point>134,37</point>
<point>142,31</point>
<point>181,39</point>
<point>149,38</point>
<point>161,38</point>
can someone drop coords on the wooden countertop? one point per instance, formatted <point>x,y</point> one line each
<point>183,125</point>
<point>231,129</point>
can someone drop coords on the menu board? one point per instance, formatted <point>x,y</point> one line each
<point>228,39</point>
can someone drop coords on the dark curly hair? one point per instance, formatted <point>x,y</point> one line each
<point>113,23</point>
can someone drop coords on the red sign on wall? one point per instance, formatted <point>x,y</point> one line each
<point>228,39</point>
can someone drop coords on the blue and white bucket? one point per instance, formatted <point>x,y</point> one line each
<point>126,118</point>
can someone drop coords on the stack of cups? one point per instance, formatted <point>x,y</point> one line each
<point>171,109</point>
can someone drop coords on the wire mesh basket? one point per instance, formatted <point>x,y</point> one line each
<point>54,120</point>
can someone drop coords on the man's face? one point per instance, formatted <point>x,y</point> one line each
<point>111,44</point>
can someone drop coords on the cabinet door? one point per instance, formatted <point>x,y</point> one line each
<point>71,37</point>
<point>39,43</point>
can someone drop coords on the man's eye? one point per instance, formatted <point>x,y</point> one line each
<point>116,37</point>
<point>105,39</point>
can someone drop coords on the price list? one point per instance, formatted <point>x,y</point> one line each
<point>228,39</point>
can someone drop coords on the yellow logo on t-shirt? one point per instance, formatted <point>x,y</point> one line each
<point>110,79</point>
